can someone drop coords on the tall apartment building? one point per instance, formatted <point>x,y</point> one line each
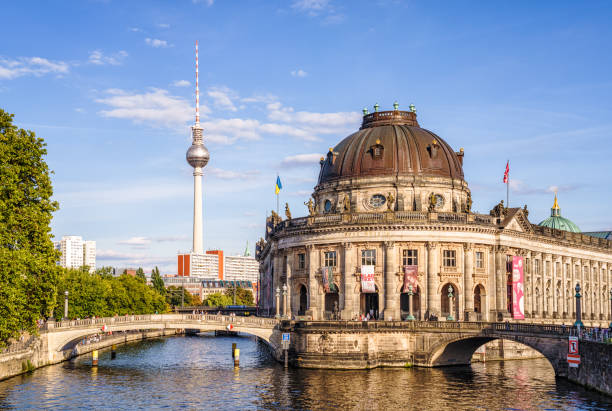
<point>76,253</point>
<point>241,268</point>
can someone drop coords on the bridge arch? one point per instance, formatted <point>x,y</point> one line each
<point>459,351</point>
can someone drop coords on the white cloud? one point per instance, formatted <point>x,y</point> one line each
<point>312,7</point>
<point>207,2</point>
<point>299,73</point>
<point>171,239</point>
<point>156,107</point>
<point>36,66</point>
<point>301,193</point>
<point>99,58</point>
<point>222,97</point>
<point>301,160</point>
<point>163,25</point>
<point>317,123</point>
<point>136,242</point>
<point>232,175</point>
<point>157,43</point>
<point>135,29</point>
<point>134,259</point>
<point>181,83</point>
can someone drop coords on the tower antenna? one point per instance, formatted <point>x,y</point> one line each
<point>197,118</point>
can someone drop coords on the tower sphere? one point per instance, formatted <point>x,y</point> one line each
<point>197,155</point>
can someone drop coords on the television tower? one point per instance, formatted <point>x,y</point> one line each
<point>197,157</point>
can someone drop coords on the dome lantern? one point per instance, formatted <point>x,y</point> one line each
<point>558,222</point>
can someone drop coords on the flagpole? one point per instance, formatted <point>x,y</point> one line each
<point>508,187</point>
<point>277,199</point>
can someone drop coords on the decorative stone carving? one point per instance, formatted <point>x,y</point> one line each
<point>287,211</point>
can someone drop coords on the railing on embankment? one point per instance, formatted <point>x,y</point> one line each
<point>258,322</point>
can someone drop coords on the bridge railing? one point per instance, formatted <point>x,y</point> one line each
<point>144,318</point>
<point>404,325</point>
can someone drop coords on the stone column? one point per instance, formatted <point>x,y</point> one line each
<point>290,286</point>
<point>565,263</point>
<point>391,297</point>
<point>314,304</point>
<point>554,275</point>
<point>500,282</point>
<point>491,286</point>
<point>348,253</point>
<point>433,279</point>
<point>528,273</point>
<point>468,281</point>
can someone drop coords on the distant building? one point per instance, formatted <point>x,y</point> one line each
<point>203,288</point>
<point>209,265</point>
<point>75,253</point>
<point>241,268</point>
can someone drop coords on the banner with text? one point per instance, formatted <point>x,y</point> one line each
<point>518,289</point>
<point>410,278</point>
<point>367,279</point>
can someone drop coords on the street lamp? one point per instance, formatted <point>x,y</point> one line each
<point>285,300</point>
<point>277,302</point>
<point>610,307</point>
<point>410,293</point>
<point>66,304</point>
<point>578,322</point>
<point>450,304</point>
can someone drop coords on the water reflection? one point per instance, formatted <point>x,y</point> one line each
<point>198,372</point>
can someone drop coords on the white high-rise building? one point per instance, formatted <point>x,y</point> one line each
<point>89,255</point>
<point>241,268</point>
<point>76,253</point>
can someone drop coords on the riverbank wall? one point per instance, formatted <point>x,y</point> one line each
<point>595,369</point>
<point>35,354</point>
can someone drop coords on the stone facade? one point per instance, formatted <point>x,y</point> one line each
<point>400,214</point>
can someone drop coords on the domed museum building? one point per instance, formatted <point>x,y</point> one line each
<point>390,234</point>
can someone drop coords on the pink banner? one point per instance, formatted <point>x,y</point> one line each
<point>367,279</point>
<point>518,290</point>
<point>410,278</point>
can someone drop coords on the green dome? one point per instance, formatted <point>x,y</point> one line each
<point>556,221</point>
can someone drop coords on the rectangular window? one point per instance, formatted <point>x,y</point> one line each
<point>301,261</point>
<point>285,265</point>
<point>329,259</point>
<point>410,257</point>
<point>479,259</point>
<point>527,266</point>
<point>537,266</point>
<point>449,258</point>
<point>368,257</point>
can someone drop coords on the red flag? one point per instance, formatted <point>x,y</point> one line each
<point>507,171</point>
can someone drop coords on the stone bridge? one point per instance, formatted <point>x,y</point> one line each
<point>61,337</point>
<point>336,344</point>
<point>351,344</point>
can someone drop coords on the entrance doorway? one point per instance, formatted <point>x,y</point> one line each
<point>369,304</point>
<point>303,300</point>
<point>479,297</point>
<point>444,303</point>
<point>332,306</point>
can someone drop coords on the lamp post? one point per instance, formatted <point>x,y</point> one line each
<point>285,300</point>
<point>66,304</point>
<point>277,302</point>
<point>410,293</point>
<point>610,307</point>
<point>578,322</point>
<point>450,304</point>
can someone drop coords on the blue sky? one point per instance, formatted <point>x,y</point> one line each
<point>110,86</point>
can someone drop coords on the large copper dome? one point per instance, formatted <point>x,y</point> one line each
<point>391,143</point>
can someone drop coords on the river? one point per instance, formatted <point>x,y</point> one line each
<point>197,372</point>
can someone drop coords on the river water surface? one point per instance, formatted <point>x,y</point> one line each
<point>197,372</point>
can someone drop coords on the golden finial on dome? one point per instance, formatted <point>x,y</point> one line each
<point>331,149</point>
<point>378,141</point>
<point>556,203</point>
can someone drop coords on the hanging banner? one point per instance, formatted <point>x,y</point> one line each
<point>367,279</point>
<point>518,290</point>
<point>325,272</point>
<point>410,278</point>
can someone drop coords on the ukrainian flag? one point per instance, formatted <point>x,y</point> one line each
<point>278,187</point>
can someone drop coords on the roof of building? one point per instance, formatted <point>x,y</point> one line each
<point>226,284</point>
<point>391,143</point>
<point>556,221</point>
<point>600,234</point>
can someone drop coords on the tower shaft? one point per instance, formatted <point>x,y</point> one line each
<point>197,211</point>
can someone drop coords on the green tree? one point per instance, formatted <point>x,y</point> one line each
<point>28,273</point>
<point>217,300</point>
<point>140,274</point>
<point>177,296</point>
<point>243,296</point>
<point>157,281</point>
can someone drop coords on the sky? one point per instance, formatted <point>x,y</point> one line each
<point>110,87</point>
